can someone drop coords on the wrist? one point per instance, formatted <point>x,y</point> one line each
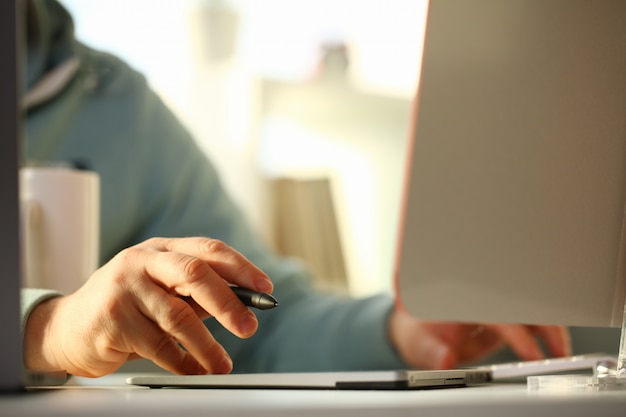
<point>39,346</point>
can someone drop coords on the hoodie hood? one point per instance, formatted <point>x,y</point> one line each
<point>50,39</point>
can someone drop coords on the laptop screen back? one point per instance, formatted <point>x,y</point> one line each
<point>514,203</point>
<point>11,374</point>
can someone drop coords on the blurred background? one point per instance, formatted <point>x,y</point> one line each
<point>303,106</point>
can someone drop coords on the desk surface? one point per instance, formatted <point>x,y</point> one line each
<point>110,397</point>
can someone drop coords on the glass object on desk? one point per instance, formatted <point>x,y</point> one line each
<point>575,383</point>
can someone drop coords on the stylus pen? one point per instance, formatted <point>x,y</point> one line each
<point>260,300</point>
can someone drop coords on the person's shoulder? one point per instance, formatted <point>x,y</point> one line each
<point>104,71</point>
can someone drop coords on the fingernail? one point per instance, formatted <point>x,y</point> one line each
<point>248,324</point>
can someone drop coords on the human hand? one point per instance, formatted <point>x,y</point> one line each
<point>439,345</point>
<point>144,302</point>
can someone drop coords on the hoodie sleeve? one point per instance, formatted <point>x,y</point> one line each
<point>30,298</point>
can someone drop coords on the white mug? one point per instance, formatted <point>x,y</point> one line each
<point>60,226</point>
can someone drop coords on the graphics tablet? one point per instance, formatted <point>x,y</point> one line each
<point>377,380</point>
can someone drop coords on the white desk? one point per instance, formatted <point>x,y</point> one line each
<point>110,397</point>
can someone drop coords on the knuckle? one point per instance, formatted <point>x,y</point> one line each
<point>163,346</point>
<point>193,269</point>
<point>120,265</point>
<point>179,318</point>
<point>213,246</point>
<point>115,311</point>
<point>129,256</point>
<point>118,279</point>
<point>153,242</point>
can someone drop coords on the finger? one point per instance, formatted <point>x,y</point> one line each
<point>192,277</point>
<point>176,323</point>
<point>520,339</point>
<point>155,345</point>
<point>432,353</point>
<point>479,343</point>
<point>197,308</point>
<point>556,338</point>
<point>227,262</point>
<point>417,344</point>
